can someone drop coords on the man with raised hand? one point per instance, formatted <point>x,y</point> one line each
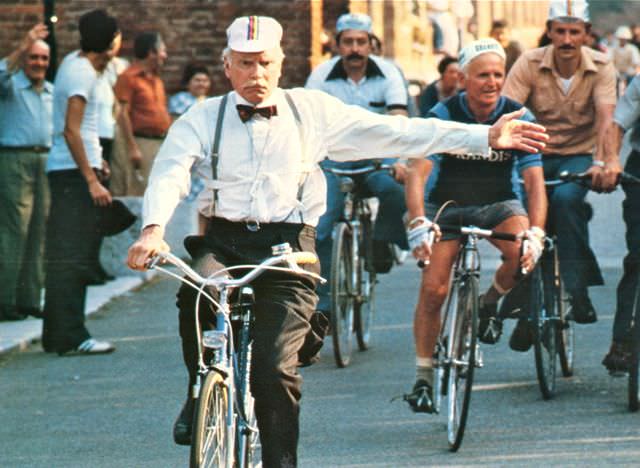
<point>26,106</point>
<point>571,90</point>
<point>268,188</point>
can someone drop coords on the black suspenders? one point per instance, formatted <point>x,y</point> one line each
<point>215,151</point>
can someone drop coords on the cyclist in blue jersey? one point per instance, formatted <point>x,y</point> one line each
<point>485,196</point>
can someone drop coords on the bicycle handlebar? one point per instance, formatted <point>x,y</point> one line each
<point>360,170</point>
<point>292,260</point>
<point>476,231</point>
<point>566,176</point>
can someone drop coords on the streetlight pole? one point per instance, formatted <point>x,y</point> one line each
<point>50,19</point>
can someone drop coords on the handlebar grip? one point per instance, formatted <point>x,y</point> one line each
<point>504,236</point>
<point>304,258</point>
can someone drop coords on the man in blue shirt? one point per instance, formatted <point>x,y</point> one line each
<point>627,117</point>
<point>25,138</point>
<point>485,197</point>
<point>357,77</point>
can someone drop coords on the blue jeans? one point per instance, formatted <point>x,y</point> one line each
<point>388,226</point>
<point>568,218</point>
<point>631,277</point>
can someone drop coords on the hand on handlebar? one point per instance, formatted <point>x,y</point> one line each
<point>605,178</point>
<point>146,247</point>
<point>533,245</point>
<point>421,235</point>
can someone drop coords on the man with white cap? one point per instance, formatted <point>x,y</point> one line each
<point>264,186</point>
<point>625,55</point>
<point>357,77</point>
<point>484,196</point>
<point>571,90</point>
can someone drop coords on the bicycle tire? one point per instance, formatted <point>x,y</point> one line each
<point>464,339</point>
<point>211,444</point>
<point>634,392</point>
<point>365,306</point>
<point>565,341</point>
<point>545,331</point>
<point>342,294</point>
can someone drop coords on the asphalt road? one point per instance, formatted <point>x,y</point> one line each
<point>118,410</point>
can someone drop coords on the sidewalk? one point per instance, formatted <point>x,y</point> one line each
<point>19,335</point>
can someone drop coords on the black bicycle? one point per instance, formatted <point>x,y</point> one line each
<point>633,390</point>
<point>353,276</point>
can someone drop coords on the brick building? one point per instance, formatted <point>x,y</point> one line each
<point>195,29</point>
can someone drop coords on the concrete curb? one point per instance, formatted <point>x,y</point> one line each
<point>19,335</point>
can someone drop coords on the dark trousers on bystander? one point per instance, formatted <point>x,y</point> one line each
<point>71,231</point>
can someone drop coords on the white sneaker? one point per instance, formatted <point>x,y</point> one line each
<point>91,346</point>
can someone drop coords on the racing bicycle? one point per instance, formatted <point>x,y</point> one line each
<point>457,353</point>
<point>353,276</point>
<point>225,432</point>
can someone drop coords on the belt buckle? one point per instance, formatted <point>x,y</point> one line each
<point>252,225</point>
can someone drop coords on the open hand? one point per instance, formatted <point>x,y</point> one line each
<point>510,133</point>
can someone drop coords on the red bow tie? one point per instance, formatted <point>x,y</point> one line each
<point>246,112</point>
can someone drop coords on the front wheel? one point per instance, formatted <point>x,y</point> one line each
<point>342,294</point>
<point>545,326</point>
<point>462,361</point>
<point>211,444</point>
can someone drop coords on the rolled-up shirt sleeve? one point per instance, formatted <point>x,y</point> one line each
<point>169,180</point>
<point>353,133</point>
<point>628,108</point>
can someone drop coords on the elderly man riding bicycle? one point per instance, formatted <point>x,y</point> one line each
<point>257,149</point>
<point>484,196</point>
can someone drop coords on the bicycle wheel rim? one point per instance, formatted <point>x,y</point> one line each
<point>342,303</point>
<point>566,333</point>
<point>545,333</point>
<point>210,445</point>
<point>365,308</point>
<point>634,392</point>
<point>461,375</point>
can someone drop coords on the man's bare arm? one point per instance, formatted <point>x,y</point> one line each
<point>73,121</point>
<point>536,196</point>
<point>15,59</point>
<point>127,132</point>
<point>417,175</point>
<point>607,168</point>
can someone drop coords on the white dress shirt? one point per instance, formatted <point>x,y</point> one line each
<point>263,161</point>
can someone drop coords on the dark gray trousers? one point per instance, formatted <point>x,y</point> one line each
<point>284,306</point>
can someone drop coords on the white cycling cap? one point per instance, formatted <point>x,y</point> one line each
<point>254,34</point>
<point>355,21</point>
<point>569,11</point>
<point>623,32</point>
<point>479,47</point>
